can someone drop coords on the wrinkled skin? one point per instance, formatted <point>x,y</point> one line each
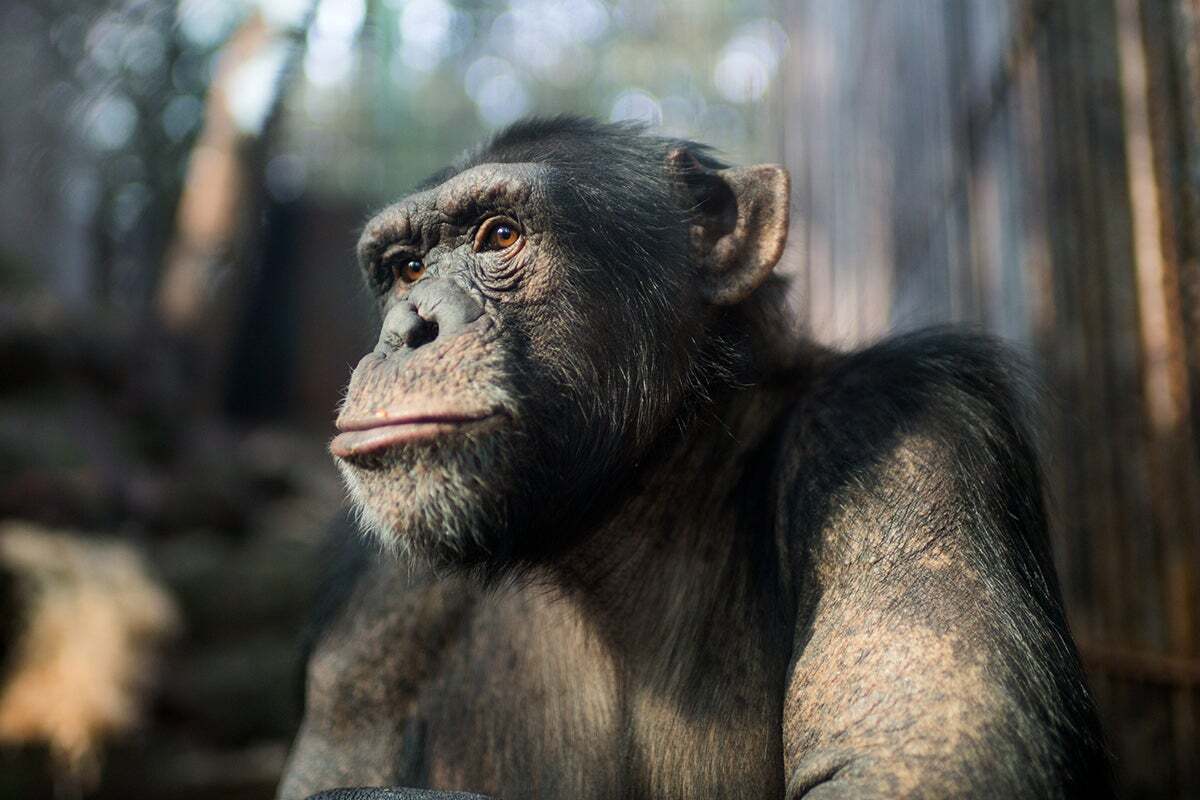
<point>649,546</point>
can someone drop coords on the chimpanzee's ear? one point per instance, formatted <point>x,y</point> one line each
<point>740,224</point>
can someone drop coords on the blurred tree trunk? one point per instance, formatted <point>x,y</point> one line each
<point>216,246</point>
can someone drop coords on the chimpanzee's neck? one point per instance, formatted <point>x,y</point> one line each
<point>687,552</point>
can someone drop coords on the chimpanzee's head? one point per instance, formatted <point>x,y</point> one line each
<point>549,307</point>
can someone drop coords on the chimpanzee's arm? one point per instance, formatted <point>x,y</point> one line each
<point>931,654</point>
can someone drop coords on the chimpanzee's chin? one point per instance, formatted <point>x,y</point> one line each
<point>441,506</point>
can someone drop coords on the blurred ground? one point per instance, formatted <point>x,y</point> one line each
<point>228,516</point>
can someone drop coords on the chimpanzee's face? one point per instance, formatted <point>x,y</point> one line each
<point>533,341</point>
<point>546,311</point>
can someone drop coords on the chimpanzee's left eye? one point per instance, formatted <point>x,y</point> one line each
<point>409,270</point>
<point>498,233</point>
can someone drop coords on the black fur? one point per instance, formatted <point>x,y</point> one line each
<point>748,566</point>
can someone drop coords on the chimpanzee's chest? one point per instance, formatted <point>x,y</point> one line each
<point>529,702</point>
<point>516,693</point>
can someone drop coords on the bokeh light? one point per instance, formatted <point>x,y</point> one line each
<point>204,23</point>
<point>111,121</point>
<point>330,55</point>
<point>181,116</point>
<point>749,60</point>
<point>254,85</point>
<point>637,105</point>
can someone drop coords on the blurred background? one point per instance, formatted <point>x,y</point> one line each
<point>181,185</point>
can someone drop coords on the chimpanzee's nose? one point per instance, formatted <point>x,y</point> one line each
<point>435,308</point>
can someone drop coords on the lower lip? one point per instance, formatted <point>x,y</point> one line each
<point>374,440</point>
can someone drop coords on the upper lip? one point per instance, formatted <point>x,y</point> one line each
<point>383,419</point>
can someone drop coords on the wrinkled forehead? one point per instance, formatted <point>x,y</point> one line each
<point>462,197</point>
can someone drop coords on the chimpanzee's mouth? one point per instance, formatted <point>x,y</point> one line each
<point>371,436</point>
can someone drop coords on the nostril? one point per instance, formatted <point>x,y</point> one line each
<point>421,333</point>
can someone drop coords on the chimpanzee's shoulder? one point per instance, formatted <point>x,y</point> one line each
<point>938,379</point>
<point>965,398</point>
<point>920,444</point>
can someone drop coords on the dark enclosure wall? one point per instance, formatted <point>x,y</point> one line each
<point>1032,167</point>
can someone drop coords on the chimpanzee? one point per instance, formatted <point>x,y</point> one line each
<point>641,541</point>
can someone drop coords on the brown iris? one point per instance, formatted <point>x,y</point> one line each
<point>409,270</point>
<point>498,233</point>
